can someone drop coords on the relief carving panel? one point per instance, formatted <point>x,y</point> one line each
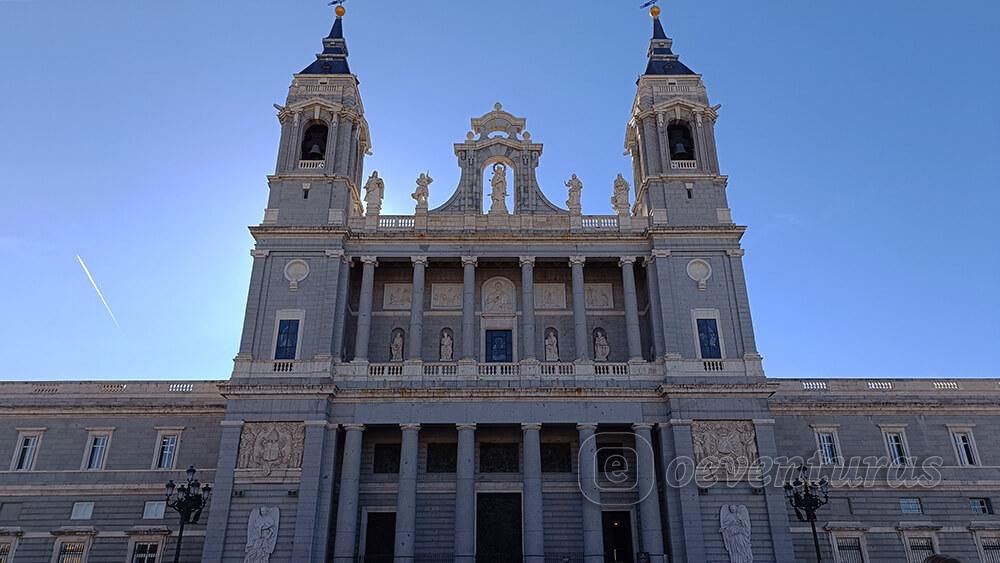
<point>598,296</point>
<point>729,446</point>
<point>550,296</point>
<point>446,296</point>
<point>271,445</point>
<point>396,296</point>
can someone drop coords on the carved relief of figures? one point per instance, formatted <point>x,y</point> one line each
<point>728,446</point>
<point>601,347</point>
<point>374,193</point>
<point>447,346</point>
<point>262,534</point>
<point>575,186</point>
<point>396,344</point>
<point>619,198</point>
<point>734,523</point>
<point>397,296</point>
<point>498,296</point>
<point>550,296</point>
<point>422,192</point>
<point>446,296</point>
<point>498,189</point>
<point>271,445</point>
<point>551,345</point>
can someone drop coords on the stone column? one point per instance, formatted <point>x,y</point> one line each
<point>415,345</point>
<point>469,308</point>
<point>649,503</point>
<point>627,264</point>
<point>593,539</point>
<point>580,336</point>
<point>406,500</point>
<point>655,317</point>
<point>465,495</point>
<point>347,507</point>
<point>528,307</point>
<point>534,536</point>
<point>340,312</point>
<point>218,515</point>
<point>365,309</point>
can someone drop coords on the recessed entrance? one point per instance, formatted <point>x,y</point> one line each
<point>380,537</point>
<point>498,528</point>
<point>617,537</point>
<point>499,346</point>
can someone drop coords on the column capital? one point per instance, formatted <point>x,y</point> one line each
<point>526,260</point>
<point>373,260</point>
<point>657,253</point>
<point>259,253</point>
<point>586,426</point>
<point>643,426</point>
<point>349,260</point>
<point>338,253</point>
<point>574,260</point>
<point>354,427</point>
<point>469,260</point>
<point>466,425</point>
<point>418,260</point>
<point>409,426</point>
<point>531,426</point>
<point>626,260</point>
<point>735,252</point>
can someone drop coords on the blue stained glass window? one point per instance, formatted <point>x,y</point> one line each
<point>288,338</point>
<point>708,339</point>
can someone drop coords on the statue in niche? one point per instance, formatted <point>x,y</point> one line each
<point>447,346</point>
<point>734,523</point>
<point>619,198</point>
<point>498,189</point>
<point>601,347</point>
<point>374,193</point>
<point>551,345</point>
<point>396,346</point>
<point>497,299</point>
<point>422,191</point>
<point>575,187</point>
<point>262,534</point>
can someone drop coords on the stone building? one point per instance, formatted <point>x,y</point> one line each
<point>500,378</point>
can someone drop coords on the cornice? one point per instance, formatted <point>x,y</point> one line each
<point>505,394</point>
<point>236,390</point>
<point>763,389</point>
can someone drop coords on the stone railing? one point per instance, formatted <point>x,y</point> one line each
<point>440,369</point>
<point>600,222</point>
<point>864,387</point>
<point>683,164</point>
<point>526,371</point>
<point>450,222</point>
<point>104,388</point>
<point>312,164</point>
<point>396,222</point>
<point>495,370</point>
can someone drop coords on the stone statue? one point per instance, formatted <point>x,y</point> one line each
<point>575,186</point>
<point>619,199</point>
<point>262,534</point>
<point>601,347</point>
<point>551,345</point>
<point>374,192</point>
<point>447,347</point>
<point>396,346</point>
<point>422,192</point>
<point>734,523</point>
<point>498,189</point>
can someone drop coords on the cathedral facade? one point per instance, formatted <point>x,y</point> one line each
<point>500,378</point>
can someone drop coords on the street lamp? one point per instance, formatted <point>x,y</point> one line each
<point>188,499</point>
<point>806,497</point>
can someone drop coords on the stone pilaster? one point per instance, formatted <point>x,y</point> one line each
<point>593,539</point>
<point>340,312</point>
<point>469,308</point>
<point>534,523</point>
<point>406,499</point>
<point>416,337</point>
<point>218,515</point>
<point>580,336</point>
<point>465,495</point>
<point>649,502</point>
<point>365,309</point>
<point>655,317</point>
<point>528,307</point>
<point>627,264</point>
<point>313,459</point>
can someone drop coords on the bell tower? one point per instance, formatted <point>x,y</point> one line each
<point>324,139</point>
<point>671,139</point>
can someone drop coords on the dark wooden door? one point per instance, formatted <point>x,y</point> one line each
<point>380,537</point>
<point>498,528</point>
<point>499,346</point>
<point>617,537</point>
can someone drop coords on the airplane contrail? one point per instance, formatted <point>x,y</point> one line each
<point>98,290</point>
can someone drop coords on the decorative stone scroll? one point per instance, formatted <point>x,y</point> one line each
<point>734,524</point>
<point>397,296</point>
<point>729,446</point>
<point>271,445</point>
<point>551,296</point>
<point>262,534</point>
<point>598,296</point>
<point>446,296</point>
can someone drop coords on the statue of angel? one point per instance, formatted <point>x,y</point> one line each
<point>575,186</point>
<point>262,534</point>
<point>374,192</point>
<point>734,523</point>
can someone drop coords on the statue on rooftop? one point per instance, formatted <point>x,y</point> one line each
<point>422,192</point>
<point>374,192</point>
<point>619,198</point>
<point>575,187</point>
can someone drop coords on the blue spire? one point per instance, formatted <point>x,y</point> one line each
<point>333,59</point>
<point>663,61</point>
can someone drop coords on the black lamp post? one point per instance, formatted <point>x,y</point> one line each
<point>806,497</point>
<point>188,500</point>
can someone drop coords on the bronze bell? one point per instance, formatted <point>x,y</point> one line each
<point>315,153</point>
<point>679,148</point>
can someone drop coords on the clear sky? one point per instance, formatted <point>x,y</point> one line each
<point>860,137</point>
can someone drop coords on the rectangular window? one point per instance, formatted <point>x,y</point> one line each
<point>145,552</point>
<point>897,448</point>
<point>965,448</point>
<point>499,458</point>
<point>708,339</point>
<point>849,550</point>
<point>154,510</point>
<point>288,338</point>
<point>386,458</point>
<point>910,506</point>
<point>5,552</point>
<point>97,450</point>
<point>82,511</point>
<point>828,450</point>
<point>71,552</point>
<point>24,457</point>
<point>165,451</point>
<point>442,458</point>
<point>556,458</point>
<point>981,505</point>
<point>920,548</point>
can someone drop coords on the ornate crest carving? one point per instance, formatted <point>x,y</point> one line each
<point>725,445</point>
<point>271,445</point>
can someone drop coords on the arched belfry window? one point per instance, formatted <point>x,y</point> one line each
<point>314,142</point>
<point>681,141</point>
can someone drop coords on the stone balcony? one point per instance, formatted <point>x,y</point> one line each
<point>449,222</point>
<point>312,164</point>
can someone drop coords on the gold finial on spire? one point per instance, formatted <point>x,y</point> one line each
<point>340,11</point>
<point>654,11</point>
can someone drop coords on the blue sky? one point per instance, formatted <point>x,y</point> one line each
<point>860,138</point>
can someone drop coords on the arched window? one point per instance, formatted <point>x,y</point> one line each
<point>681,141</point>
<point>314,142</point>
